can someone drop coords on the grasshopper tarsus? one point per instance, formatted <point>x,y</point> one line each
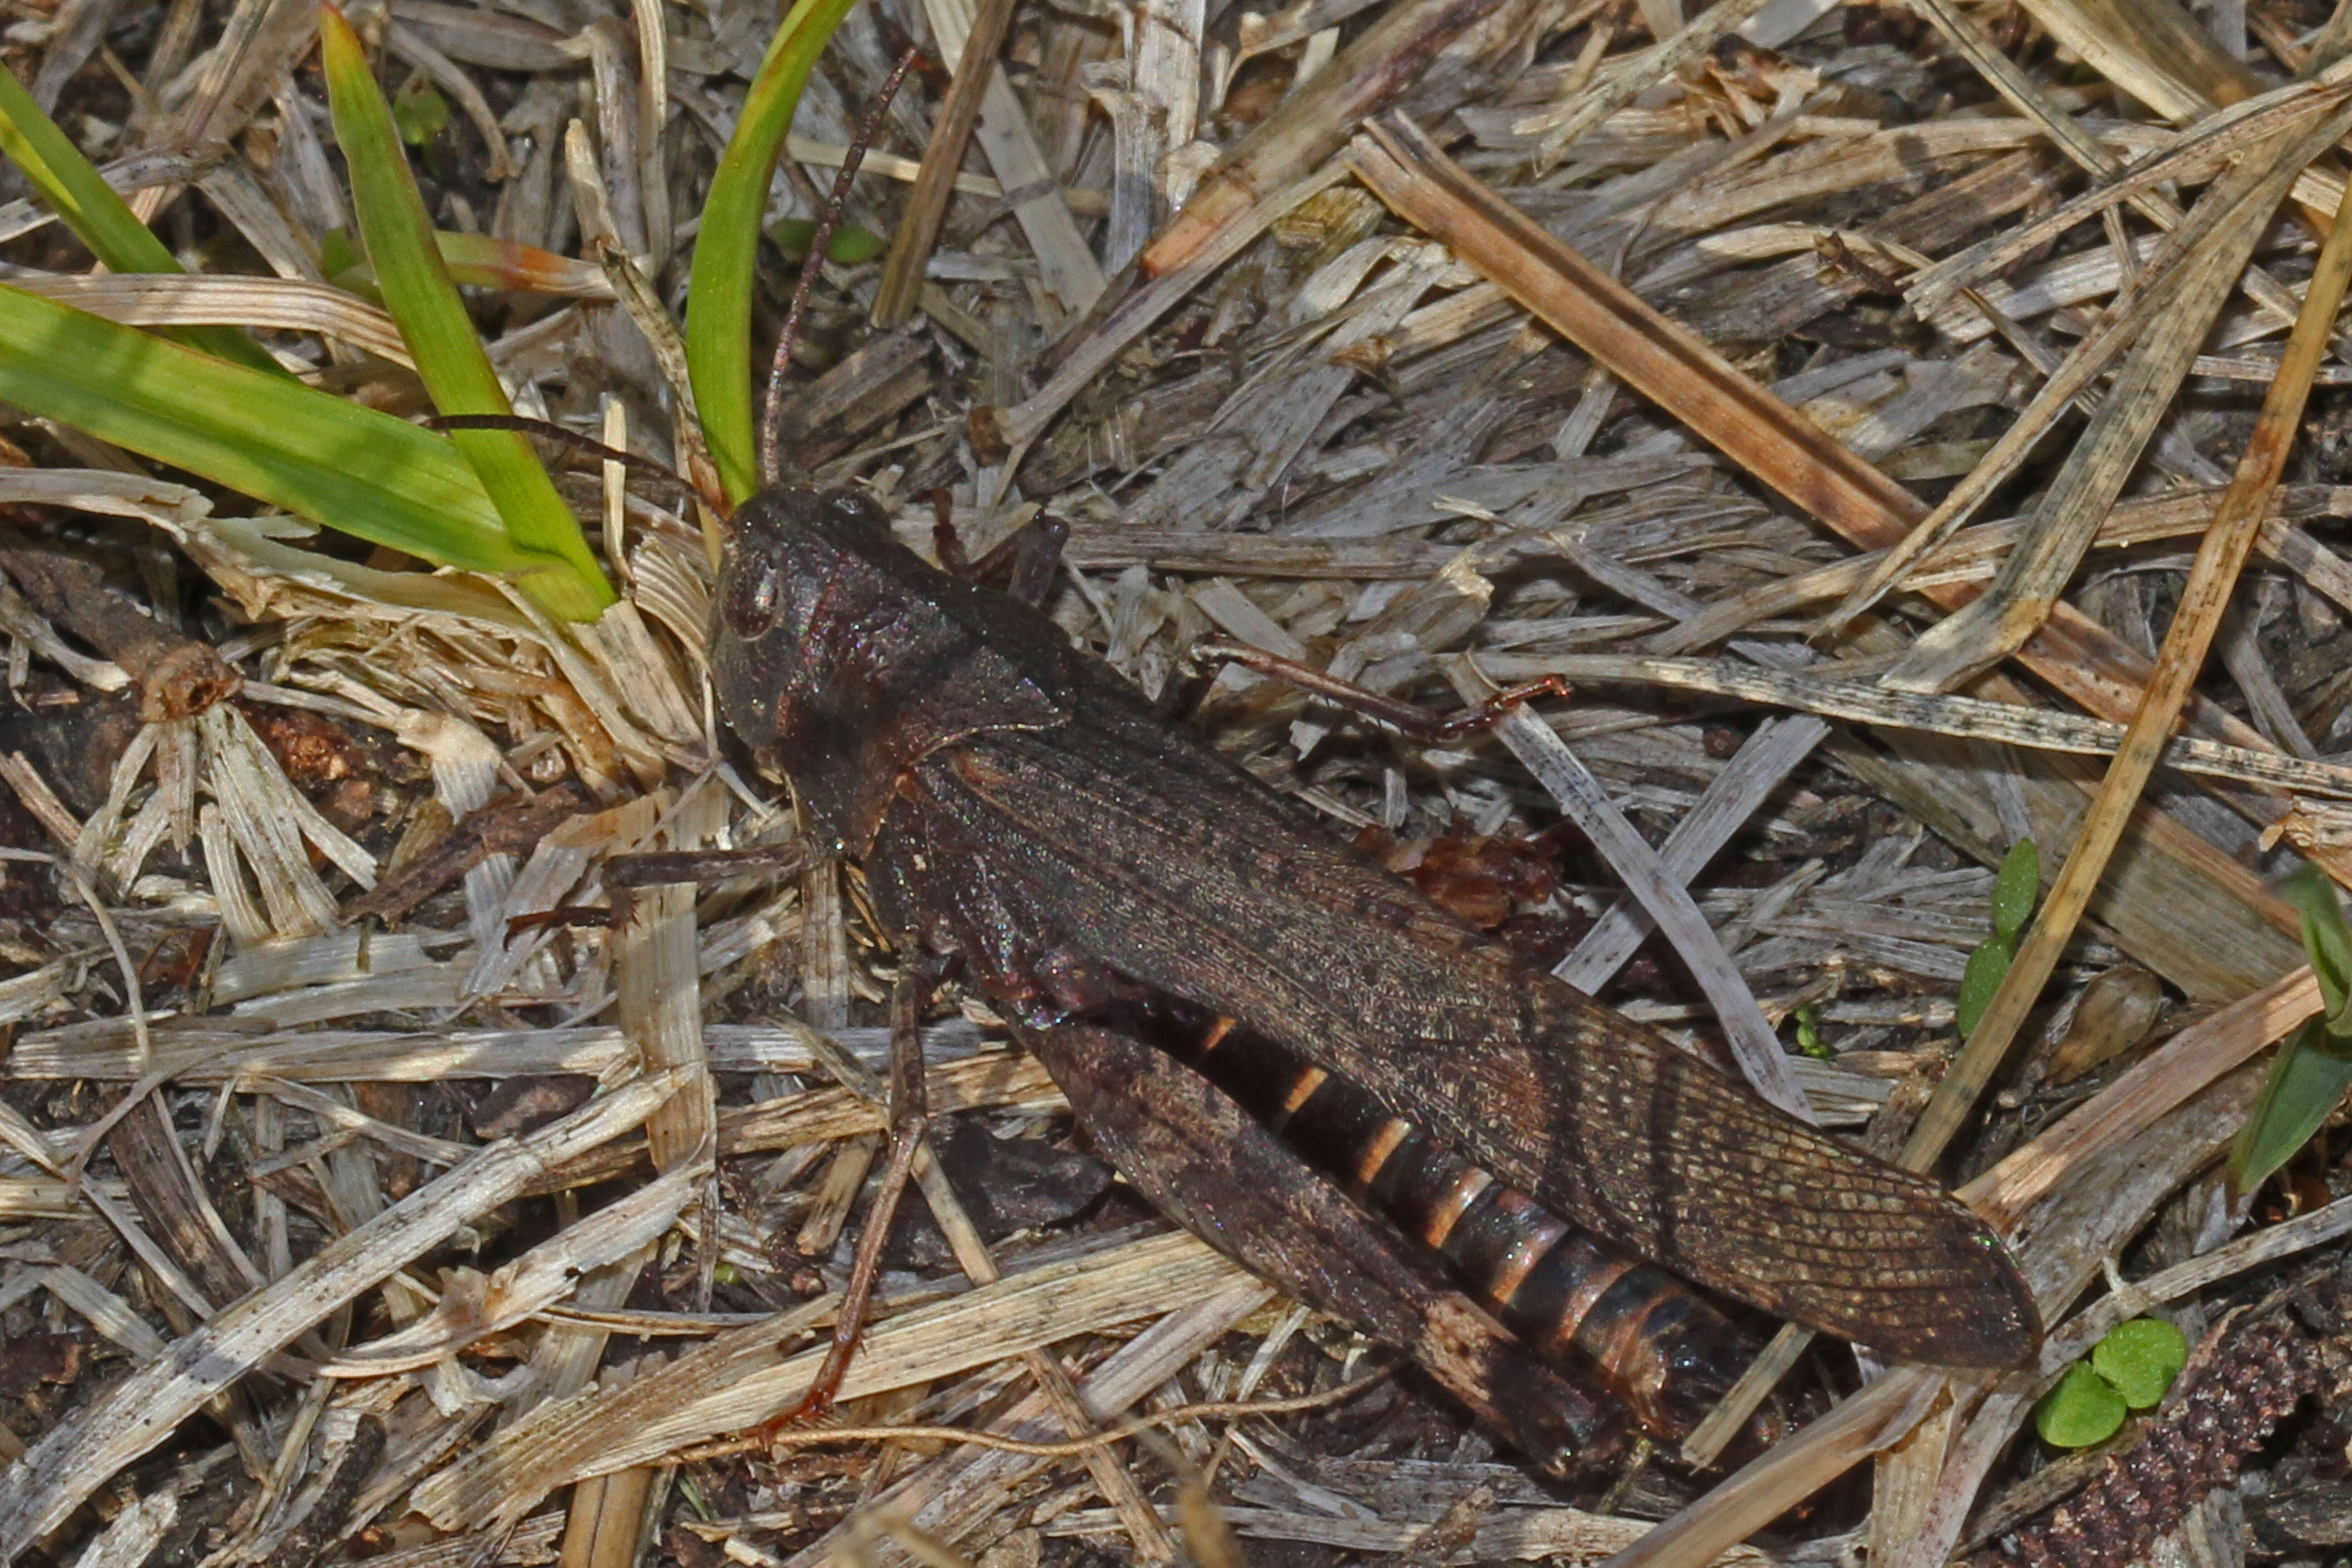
<point>1029,559</point>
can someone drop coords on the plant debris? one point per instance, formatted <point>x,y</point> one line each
<point>1874,412</point>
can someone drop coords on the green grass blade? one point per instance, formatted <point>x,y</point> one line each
<point>86,203</point>
<point>2305,1084</point>
<point>318,456</point>
<point>449,358</point>
<point>726,253</point>
<point>2326,942</point>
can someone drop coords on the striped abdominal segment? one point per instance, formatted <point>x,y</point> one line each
<point>1655,1342</point>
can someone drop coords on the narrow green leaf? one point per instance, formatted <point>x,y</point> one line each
<point>86,203</point>
<point>474,260</point>
<point>2306,1082</point>
<point>339,254</point>
<point>2325,941</point>
<point>2015,886</point>
<point>456,372</point>
<point>2141,1358</point>
<point>318,456</point>
<point>1982,977</point>
<point>718,291</point>
<point>2082,1409</point>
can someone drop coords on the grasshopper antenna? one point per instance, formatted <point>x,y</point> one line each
<point>772,417</point>
<point>645,468</point>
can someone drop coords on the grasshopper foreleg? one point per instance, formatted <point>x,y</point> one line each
<point>908,1119</point>
<point>1027,559</point>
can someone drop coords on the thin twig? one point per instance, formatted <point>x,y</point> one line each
<point>1076,1447</point>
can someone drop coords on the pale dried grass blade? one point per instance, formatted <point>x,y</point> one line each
<point>966,1484</point>
<point>1561,126</point>
<point>1690,381</point>
<point>1068,268</point>
<point>2183,287</point>
<point>1763,761</point>
<point>1754,1044</point>
<point>80,1454</point>
<point>1662,362</point>
<point>2011,723</point>
<point>135,1533</point>
<point>1974,555</point>
<point>2066,516</point>
<point>2152,49</point>
<point>1007,433</point>
<point>473,1307</point>
<point>2198,153</point>
<point>738,1380</point>
<point>2149,1089</point>
<point>900,292</point>
<point>2220,555</point>
<point>1408,41</point>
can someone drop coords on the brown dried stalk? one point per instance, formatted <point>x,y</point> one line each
<point>177,677</point>
<point>511,825</point>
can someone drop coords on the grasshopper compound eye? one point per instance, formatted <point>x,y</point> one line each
<point>748,605</point>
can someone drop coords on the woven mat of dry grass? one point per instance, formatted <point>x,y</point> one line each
<point>1899,423</point>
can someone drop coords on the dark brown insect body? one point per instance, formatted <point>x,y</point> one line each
<point>1017,804</point>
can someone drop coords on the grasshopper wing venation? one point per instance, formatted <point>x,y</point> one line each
<point>1205,1163</point>
<point>1165,862</point>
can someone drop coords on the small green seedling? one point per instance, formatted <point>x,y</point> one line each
<point>1808,1035</point>
<point>2131,1369</point>
<point>2015,886</point>
<point>2141,1358</point>
<point>419,112</point>
<point>2312,1071</point>
<point>2084,1409</point>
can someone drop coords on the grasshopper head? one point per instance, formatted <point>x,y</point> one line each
<point>842,658</point>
